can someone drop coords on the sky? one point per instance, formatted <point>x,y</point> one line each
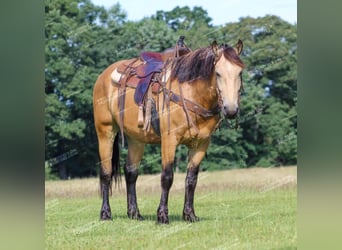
<point>221,11</point>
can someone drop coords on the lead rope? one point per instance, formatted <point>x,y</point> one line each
<point>121,104</point>
<point>121,97</point>
<point>181,43</point>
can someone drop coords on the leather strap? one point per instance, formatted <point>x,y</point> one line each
<point>194,107</point>
<point>121,99</point>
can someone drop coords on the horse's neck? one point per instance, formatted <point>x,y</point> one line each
<point>205,93</point>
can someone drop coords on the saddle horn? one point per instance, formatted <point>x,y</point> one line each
<point>215,48</point>
<point>180,41</point>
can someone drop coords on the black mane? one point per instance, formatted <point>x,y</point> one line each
<point>195,65</point>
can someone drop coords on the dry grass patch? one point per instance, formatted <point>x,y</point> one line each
<point>262,179</point>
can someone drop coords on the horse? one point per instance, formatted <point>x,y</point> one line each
<point>198,89</point>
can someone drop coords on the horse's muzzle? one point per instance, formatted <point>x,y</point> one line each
<point>230,112</point>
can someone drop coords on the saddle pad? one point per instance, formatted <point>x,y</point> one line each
<point>131,63</point>
<point>132,82</point>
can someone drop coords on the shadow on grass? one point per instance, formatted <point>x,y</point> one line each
<point>172,218</point>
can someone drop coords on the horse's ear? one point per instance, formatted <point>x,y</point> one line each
<point>239,47</point>
<point>215,48</point>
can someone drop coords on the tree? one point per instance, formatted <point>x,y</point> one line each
<point>145,35</point>
<point>194,24</point>
<point>183,18</point>
<point>72,32</point>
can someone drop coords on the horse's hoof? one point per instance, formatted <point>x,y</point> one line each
<point>139,217</point>
<point>105,215</point>
<point>190,217</point>
<point>163,220</point>
<point>135,216</point>
<point>162,217</point>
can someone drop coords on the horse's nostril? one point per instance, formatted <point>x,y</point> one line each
<point>229,111</point>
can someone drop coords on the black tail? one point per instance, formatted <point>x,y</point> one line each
<point>116,173</point>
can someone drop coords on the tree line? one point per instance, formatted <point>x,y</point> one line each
<point>82,39</point>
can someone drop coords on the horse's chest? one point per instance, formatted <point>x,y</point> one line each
<point>195,142</point>
<point>194,138</point>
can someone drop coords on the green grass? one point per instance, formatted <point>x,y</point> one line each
<point>239,209</point>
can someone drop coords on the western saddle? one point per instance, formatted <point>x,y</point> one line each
<point>143,74</point>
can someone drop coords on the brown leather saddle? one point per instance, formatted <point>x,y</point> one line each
<point>143,72</point>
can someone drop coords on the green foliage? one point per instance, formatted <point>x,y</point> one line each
<point>193,24</point>
<point>83,39</point>
<point>183,18</point>
<point>71,31</point>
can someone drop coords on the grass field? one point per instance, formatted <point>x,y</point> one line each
<point>239,209</point>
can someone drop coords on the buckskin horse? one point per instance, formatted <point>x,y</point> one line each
<point>195,90</point>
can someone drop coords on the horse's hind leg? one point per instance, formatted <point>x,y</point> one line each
<point>105,139</point>
<point>135,153</point>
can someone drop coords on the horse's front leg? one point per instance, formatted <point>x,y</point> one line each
<point>195,157</point>
<point>168,147</point>
<point>135,153</point>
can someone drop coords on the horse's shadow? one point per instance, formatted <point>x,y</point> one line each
<point>153,218</point>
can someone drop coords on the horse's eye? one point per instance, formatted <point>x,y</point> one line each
<point>218,75</point>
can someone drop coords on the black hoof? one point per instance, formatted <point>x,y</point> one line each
<point>190,216</point>
<point>105,215</point>
<point>162,217</point>
<point>135,215</point>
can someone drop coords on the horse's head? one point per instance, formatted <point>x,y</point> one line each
<point>228,68</point>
